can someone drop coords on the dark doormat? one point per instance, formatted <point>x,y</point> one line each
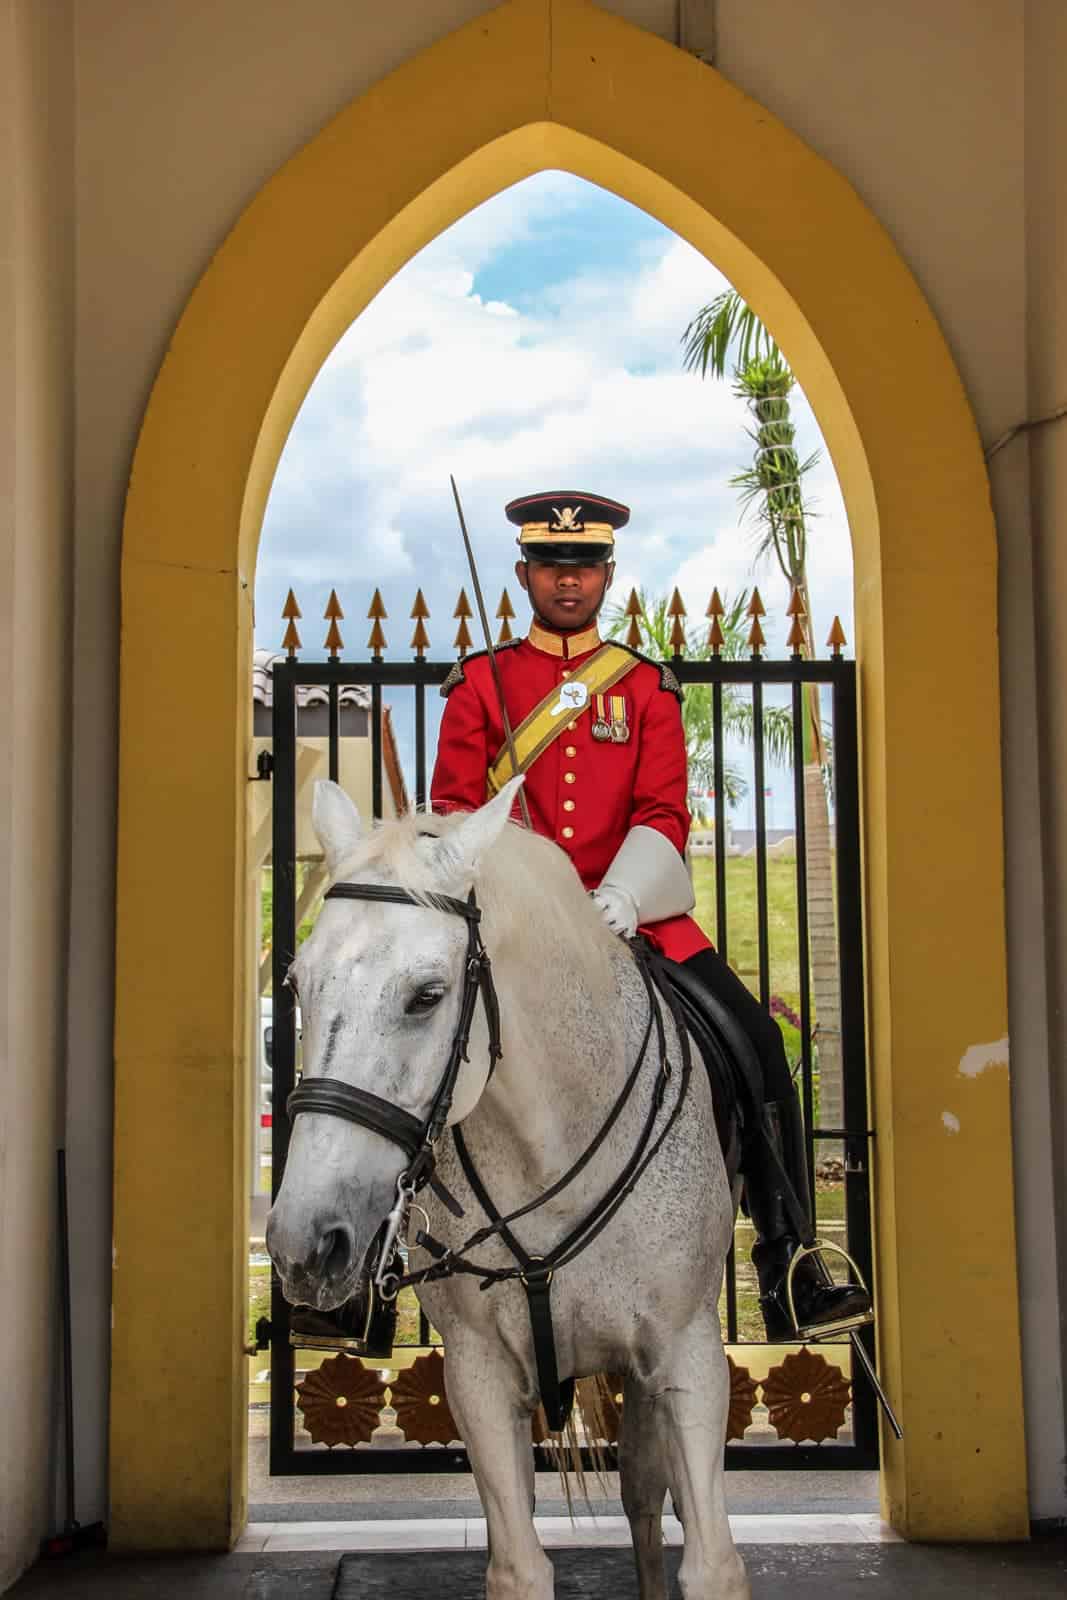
<point>1035,1571</point>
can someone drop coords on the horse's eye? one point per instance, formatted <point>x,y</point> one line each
<point>426,996</point>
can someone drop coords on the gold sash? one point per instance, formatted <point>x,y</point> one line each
<point>548,720</point>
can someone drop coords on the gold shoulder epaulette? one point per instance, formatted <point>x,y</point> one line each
<point>454,677</point>
<point>668,681</point>
<point>458,674</point>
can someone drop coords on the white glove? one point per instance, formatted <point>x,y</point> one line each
<point>619,909</point>
<point>651,875</point>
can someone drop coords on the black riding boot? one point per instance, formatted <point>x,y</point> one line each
<point>817,1302</point>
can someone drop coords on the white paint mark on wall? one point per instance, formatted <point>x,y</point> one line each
<point>980,1056</point>
<point>952,1123</point>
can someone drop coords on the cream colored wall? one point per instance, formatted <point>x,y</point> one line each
<point>36,462</point>
<point>178,124</point>
<point>931,135</point>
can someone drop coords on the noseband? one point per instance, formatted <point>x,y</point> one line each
<point>416,1137</point>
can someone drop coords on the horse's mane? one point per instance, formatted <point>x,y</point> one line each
<point>533,903</point>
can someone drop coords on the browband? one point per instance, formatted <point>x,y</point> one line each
<point>383,891</point>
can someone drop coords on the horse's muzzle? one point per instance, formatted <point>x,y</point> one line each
<point>318,1265</point>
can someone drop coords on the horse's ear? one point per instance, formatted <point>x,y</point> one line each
<point>461,849</point>
<point>336,822</point>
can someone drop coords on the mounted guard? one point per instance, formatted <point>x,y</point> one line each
<point>595,727</point>
<point>598,734</point>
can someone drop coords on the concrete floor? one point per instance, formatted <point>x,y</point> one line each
<point>341,1506</point>
<point>1037,1571</point>
<point>389,1496</point>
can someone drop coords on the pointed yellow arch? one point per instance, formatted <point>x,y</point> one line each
<point>560,84</point>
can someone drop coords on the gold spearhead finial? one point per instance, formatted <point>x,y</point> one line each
<point>505,611</point>
<point>716,637</point>
<point>796,607</point>
<point>420,639</point>
<point>377,641</point>
<point>334,643</point>
<point>836,637</point>
<point>463,640</point>
<point>678,640</point>
<point>756,639</point>
<point>291,642</point>
<point>796,640</point>
<point>633,611</point>
<point>756,608</point>
<point>290,609</point>
<point>463,607</point>
<point>677,606</point>
<point>715,605</point>
<point>377,608</point>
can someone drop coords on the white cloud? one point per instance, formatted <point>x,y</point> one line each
<point>580,387</point>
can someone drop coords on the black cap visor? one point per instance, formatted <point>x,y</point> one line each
<point>557,554</point>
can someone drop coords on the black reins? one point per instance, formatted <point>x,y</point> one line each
<point>419,1141</point>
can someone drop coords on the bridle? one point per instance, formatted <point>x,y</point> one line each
<point>419,1139</point>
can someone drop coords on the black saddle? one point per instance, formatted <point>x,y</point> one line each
<point>732,1064</point>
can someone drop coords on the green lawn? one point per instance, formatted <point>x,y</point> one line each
<point>742,947</point>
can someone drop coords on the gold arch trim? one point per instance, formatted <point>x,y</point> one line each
<point>562,85</point>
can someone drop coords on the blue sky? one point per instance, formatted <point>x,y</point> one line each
<point>533,345</point>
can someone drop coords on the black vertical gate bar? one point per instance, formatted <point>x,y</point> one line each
<point>858,1144</point>
<point>421,798</point>
<point>731,1294</point>
<point>759,778</point>
<point>800,834</point>
<point>420,746</point>
<point>722,938</point>
<point>335,734</point>
<point>719,780</point>
<point>283,1023</point>
<point>376,750</point>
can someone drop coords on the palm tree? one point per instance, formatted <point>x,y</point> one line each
<point>771,495</point>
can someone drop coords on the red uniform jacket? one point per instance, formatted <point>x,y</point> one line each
<point>584,794</point>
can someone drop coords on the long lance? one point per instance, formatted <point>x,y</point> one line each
<point>494,668</point>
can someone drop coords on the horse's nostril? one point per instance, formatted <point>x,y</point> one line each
<point>333,1254</point>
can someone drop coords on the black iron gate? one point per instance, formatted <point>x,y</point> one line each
<point>808,1418</point>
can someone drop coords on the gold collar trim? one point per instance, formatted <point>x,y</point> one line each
<point>566,645</point>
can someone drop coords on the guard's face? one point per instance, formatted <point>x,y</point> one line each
<point>565,597</point>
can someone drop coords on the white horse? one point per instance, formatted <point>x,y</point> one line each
<point>380,988</point>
